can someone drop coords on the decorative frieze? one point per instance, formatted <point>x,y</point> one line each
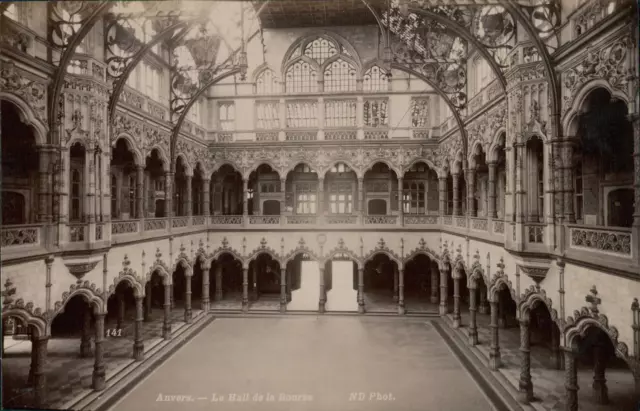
<point>602,240</point>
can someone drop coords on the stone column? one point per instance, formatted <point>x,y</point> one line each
<point>38,360</point>
<point>492,211</point>
<point>168,194</point>
<point>188,312</point>
<point>206,273</point>
<point>396,283</point>
<point>166,323</point>
<point>434,284</point>
<point>218,296</point>
<point>494,350</point>
<point>138,344</point>
<point>525,386</point>
<point>473,326</point>
<point>600,391</point>
<point>188,200</point>
<point>121,309</point>
<point>361,205</point>
<point>456,299</point>
<point>400,202</point>
<point>361,308</point>
<point>456,194</point>
<point>254,280</point>
<point>323,295</point>
<point>401,309</point>
<point>442,195</point>
<point>483,308</point>
<point>172,300</point>
<point>570,380</point>
<point>147,303</point>
<point>206,197</point>
<point>99,369</point>
<point>635,233</point>
<point>140,193</point>
<point>85,342</point>
<point>471,192</point>
<point>283,290</point>
<point>245,288</point>
<point>557,356</point>
<point>444,308</point>
<point>502,315</point>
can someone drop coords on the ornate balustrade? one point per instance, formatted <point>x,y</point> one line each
<point>198,220</point>
<point>302,219</point>
<point>337,135</point>
<point>461,222</point>
<point>77,232</point>
<point>264,219</point>
<point>376,134</point>
<point>20,235</point>
<point>479,223</point>
<point>124,227</point>
<point>447,220</point>
<point>152,224</point>
<point>610,240</point>
<point>420,219</point>
<point>178,222</point>
<point>267,136</point>
<point>226,220</point>
<point>301,135</point>
<point>421,134</point>
<point>498,227</point>
<point>380,219</point>
<point>341,219</point>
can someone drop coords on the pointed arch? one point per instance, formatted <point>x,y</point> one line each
<point>222,251</point>
<point>131,280</point>
<point>38,322</point>
<point>262,250</point>
<point>90,293</point>
<point>266,80</point>
<point>131,146</point>
<point>531,298</point>
<point>27,116</point>
<point>161,268</point>
<point>184,263</point>
<point>300,250</point>
<point>389,253</point>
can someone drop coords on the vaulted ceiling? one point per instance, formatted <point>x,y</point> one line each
<point>317,13</point>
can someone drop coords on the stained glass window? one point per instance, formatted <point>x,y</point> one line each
<point>375,79</point>
<point>301,78</point>
<point>320,50</point>
<point>340,76</point>
<point>420,112</point>
<point>267,115</point>
<point>267,83</point>
<point>375,113</point>
<point>302,114</point>
<point>340,113</point>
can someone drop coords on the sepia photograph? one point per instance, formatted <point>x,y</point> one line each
<point>320,205</point>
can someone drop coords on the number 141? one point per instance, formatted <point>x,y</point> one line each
<point>114,332</point>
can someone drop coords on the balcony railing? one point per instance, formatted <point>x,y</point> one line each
<point>420,219</point>
<point>341,219</point>
<point>610,240</point>
<point>198,220</point>
<point>498,227</point>
<point>226,220</point>
<point>178,222</point>
<point>152,224</point>
<point>380,219</point>
<point>264,219</point>
<point>124,227</point>
<point>302,219</point>
<point>77,232</point>
<point>461,222</point>
<point>20,235</point>
<point>479,224</point>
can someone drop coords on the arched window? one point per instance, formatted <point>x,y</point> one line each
<point>535,180</point>
<point>267,83</point>
<point>227,116</point>
<point>114,196</point>
<point>320,49</point>
<point>340,76</point>
<point>76,195</point>
<point>375,79</point>
<point>301,78</point>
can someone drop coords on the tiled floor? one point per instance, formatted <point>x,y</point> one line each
<point>345,363</point>
<point>67,374</point>
<point>548,383</point>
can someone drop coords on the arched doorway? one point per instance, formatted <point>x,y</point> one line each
<point>225,282</point>
<point>381,284</point>
<point>264,283</point>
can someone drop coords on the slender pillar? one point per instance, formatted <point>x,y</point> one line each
<point>138,344</point>
<point>525,386</point>
<point>245,289</point>
<point>85,342</point>
<point>206,273</point>
<point>442,195</point>
<point>502,315</point>
<point>188,200</point>
<point>188,312</point>
<point>283,290</point>
<point>172,300</point>
<point>396,283</point>
<point>456,194</point>
<point>473,325</point>
<point>323,295</point>
<point>456,299</point>
<point>166,323</point>
<point>254,281</point>
<point>444,304</point>
<point>218,296</point>
<point>140,192</point>
<point>570,380</point>
<point>168,194</point>
<point>557,356</point>
<point>99,369</point>
<point>600,391</point>
<point>38,360</point>
<point>483,308</point>
<point>147,303</point>
<point>401,309</point>
<point>494,350</point>
<point>361,308</point>
<point>283,197</point>
<point>121,309</point>
<point>245,197</point>
<point>491,206</point>
<point>434,284</point>
<point>471,192</point>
